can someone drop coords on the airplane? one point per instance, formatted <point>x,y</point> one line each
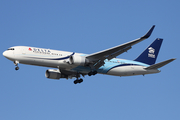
<point>74,65</point>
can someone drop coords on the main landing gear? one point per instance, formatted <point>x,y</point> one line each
<point>78,80</point>
<point>93,70</point>
<point>16,64</point>
<point>92,73</point>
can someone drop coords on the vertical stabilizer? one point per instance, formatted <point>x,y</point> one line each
<point>149,56</point>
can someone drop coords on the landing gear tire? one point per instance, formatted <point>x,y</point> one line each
<point>81,80</point>
<point>92,73</point>
<point>16,68</point>
<point>89,73</point>
<point>75,82</point>
<point>78,81</point>
<point>16,64</point>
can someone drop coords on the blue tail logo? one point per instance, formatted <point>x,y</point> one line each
<point>150,54</point>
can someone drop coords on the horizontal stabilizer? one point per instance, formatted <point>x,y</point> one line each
<point>159,65</point>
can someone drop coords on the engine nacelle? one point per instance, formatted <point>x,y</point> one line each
<point>77,60</point>
<point>54,74</point>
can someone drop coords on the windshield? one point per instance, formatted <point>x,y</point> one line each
<point>10,49</point>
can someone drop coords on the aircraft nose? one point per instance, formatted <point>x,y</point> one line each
<point>9,55</point>
<point>5,54</point>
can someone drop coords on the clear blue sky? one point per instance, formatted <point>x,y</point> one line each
<point>87,27</point>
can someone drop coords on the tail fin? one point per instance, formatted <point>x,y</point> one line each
<point>149,56</point>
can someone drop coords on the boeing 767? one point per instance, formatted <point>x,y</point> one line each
<point>74,65</point>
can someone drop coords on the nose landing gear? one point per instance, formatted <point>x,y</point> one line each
<point>16,64</point>
<point>17,68</point>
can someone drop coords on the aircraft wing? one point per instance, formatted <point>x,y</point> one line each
<point>98,58</point>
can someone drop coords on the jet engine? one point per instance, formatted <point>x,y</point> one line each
<point>77,60</point>
<point>54,74</point>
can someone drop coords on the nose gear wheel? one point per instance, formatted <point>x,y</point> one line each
<point>16,64</point>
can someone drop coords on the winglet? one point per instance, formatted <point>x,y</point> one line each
<point>149,32</point>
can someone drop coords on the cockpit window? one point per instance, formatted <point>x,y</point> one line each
<point>10,49</point>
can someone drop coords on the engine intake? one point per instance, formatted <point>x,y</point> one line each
<point>54,74</point>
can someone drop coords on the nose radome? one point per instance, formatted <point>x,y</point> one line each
<point>8,55</point>
<point>4,53</point>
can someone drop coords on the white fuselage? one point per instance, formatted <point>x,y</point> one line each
<point>59,59</point>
